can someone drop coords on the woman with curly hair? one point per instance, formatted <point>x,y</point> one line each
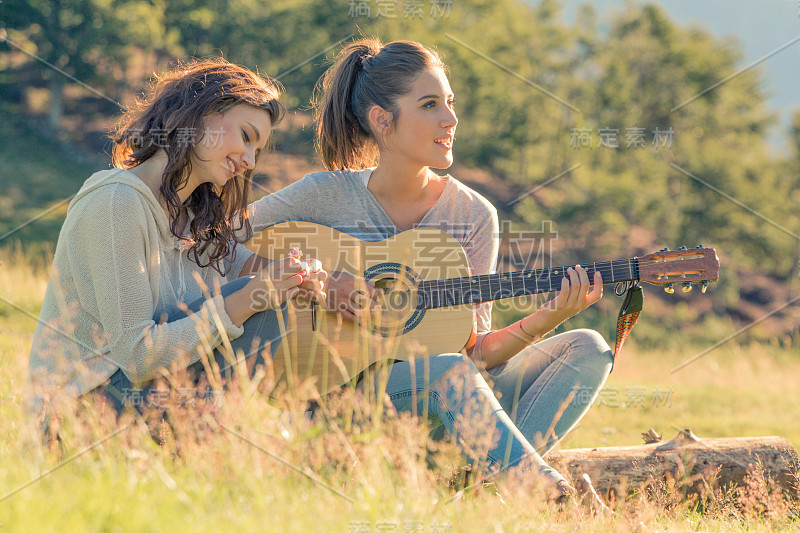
<point>145,238</point>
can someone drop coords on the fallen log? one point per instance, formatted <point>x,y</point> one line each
<point>688,460</point>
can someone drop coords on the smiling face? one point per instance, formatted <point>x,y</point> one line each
<point>424,126</point>
<point>229,145</point>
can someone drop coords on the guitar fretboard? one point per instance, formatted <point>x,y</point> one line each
<point>490,287</point>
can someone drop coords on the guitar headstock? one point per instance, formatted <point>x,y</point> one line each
<point>685,266</point>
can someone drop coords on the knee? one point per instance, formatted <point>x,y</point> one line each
<point>453,377</point>
<point>591,345</point>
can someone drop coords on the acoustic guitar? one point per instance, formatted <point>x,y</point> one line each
<point>426,295</point>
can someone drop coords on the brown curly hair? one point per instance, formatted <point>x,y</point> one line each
<point>166,117</point>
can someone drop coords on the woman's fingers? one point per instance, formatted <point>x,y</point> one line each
<point>348,295</point>
<point>570,290</point>
<point>287,268</point>
<point>286,278</point>
<point>597,290</point>
<point>574,296</point>
<point>269,294</point>
<point>574,288</point>
<point>579,296</point>
<point>562,300</point>
<point>585,284</point>
<point>577,292</point>
<point>586,298</point>
<point>313,282</point>
<point>339,287</point>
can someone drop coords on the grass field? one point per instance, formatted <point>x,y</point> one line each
<point>370,474</point>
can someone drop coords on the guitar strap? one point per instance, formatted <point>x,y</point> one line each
<point>628,313</point>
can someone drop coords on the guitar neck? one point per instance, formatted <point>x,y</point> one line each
<point>489,287</point>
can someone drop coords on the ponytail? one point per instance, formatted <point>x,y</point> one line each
<point>364,74</point>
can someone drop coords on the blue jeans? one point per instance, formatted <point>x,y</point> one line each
<point>534,386</point>
<point>526,398</point>
<point>453,394</point>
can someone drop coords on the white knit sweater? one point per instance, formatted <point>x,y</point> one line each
<point>116,267</point>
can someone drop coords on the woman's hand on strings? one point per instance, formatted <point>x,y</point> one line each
<point>575,296</point>
<point>350,296</point>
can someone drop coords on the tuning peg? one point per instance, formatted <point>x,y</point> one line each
<point>669,289</point>
<point>704,287</point>
<point>682,248</point>
<point>687,287</point>
<point>664,250</point>
<point>699,246</point>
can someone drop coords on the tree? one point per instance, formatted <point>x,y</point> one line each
<point>636,89</point>
<point>86,40</point>
<point>281,38</point>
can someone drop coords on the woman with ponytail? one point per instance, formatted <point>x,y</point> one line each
<point>384,117</point>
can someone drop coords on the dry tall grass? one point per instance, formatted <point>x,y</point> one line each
<point>240,460</point>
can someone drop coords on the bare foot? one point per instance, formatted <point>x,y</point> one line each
<point>562,492</point>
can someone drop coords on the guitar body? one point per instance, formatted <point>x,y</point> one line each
<point>320,344</point>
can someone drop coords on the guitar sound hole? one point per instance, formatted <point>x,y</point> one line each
<point>396,301</point>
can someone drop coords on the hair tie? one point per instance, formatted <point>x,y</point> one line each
<point>362,60</point>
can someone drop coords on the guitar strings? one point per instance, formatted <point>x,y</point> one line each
<point>451,291</point>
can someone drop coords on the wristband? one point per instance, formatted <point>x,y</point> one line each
<point>531,337</point>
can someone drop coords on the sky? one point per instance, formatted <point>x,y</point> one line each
<point>759,26</point>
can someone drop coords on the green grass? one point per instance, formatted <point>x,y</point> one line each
<point>206,479</point>
<point>731,391</point>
